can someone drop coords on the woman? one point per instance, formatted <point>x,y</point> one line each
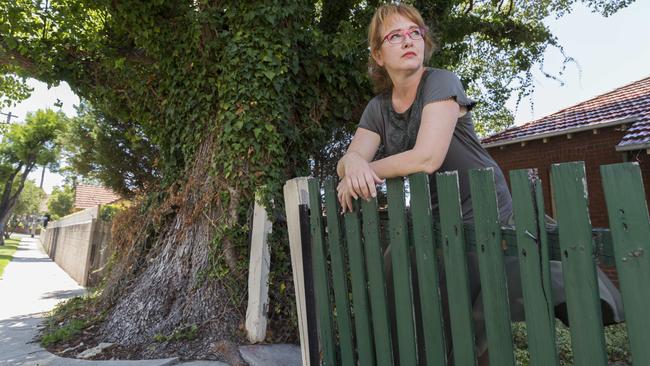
<point>421,115</point>
<point>423,119</point>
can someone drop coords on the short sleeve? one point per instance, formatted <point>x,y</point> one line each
<point>371,118</point>
<point>443,84</point>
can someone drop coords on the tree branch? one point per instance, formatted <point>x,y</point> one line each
<point>10,57</point>
<point>23,178</point>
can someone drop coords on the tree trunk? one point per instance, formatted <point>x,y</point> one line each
<point>5,200</point>
<point>161,285</point>
<point>4,224</point>
<point>9,200</point>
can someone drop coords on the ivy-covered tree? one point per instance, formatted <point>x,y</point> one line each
<point>23,147</point>
<point>238,96</point>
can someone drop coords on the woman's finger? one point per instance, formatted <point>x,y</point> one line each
<point>372,190</point>
<point>349,203</point>
<point>356,187</point>
<point>350,185</point>
<point>340,186</point>
<point>363,185</point>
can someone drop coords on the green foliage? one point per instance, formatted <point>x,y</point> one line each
<point>61,202</point>
<point>23,147</point>
<point>29,200</point>
<point>185,333</point>
<point>69,319</point>
<point>34,142</point>
<point>64,333</point>
<point>12,90</point>
<point>115,153</point>
<point>6,253</point>
<point>616,342</point>
<point>107,212</point>
<point>27,205</point>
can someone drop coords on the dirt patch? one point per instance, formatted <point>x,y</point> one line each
<point>199,349</point>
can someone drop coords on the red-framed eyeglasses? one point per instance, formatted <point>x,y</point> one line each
<point>398,37</point>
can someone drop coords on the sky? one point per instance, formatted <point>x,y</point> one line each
<point>609,52</point>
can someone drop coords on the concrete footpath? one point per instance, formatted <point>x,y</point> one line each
<point>32,284</point>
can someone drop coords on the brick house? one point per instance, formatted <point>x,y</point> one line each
<point>87,196</point>
<point>611,128</point>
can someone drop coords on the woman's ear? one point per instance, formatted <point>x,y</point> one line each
<point>376,55</point>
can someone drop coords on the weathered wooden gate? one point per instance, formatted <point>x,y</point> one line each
<point>346,262</point>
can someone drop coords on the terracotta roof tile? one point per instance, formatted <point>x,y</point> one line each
<point>87,196</point>
<point>631,101</point>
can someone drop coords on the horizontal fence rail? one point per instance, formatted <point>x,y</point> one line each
<point>398,286</point>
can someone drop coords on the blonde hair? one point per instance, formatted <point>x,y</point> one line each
<point>380,79</point>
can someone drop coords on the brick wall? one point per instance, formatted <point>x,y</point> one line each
<point>643,158</point>
<point>594,149</point>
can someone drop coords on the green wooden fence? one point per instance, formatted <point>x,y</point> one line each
<point>350,283</point>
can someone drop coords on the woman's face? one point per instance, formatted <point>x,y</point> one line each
<point>407,55</point>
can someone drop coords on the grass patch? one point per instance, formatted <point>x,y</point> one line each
<point>64,333</point>
<point>70,318</point>
<point>7,252</point>
<point>186,333</point>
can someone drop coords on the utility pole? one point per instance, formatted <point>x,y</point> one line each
<point>9,115</point>
<point>42,177</point>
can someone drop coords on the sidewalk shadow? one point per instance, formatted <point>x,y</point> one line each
<point>63,294</point>
<point>17,337</point>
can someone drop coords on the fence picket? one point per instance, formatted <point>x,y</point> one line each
<point>628,220</point>
<point>491,267</point>
<point>453,241</point>
<point>360,306</point>
<point>339,276</point>
<point>532,243</point>
<point>579,269</point>
<point>427,270</point>
<point>321,278</point>
<point>376,282</point>
<point>400,258</point>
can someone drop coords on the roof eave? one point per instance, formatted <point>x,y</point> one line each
<point>562,132</point>
<point>630,147</point>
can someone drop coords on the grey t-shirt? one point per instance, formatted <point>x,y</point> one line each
<point>398,132</point>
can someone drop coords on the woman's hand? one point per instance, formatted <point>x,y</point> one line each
<point>345,197</point>
<point>359,180</point>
